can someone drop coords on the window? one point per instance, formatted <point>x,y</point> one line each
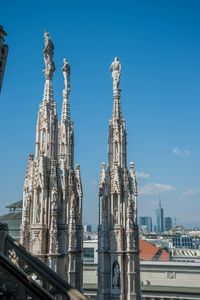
<point>88,255</point>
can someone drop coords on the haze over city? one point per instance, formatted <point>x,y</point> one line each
<point>158,44</point>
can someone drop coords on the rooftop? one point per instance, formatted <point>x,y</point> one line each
<point>11,216</point>
<point>15,207</point>
<point>151,252</point>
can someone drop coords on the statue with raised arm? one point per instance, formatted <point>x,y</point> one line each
<point>66,74</point>
<point>48,56</point>
<point>115,68</point>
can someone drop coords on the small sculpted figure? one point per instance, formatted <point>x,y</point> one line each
<point>104,203</point>
<point>54,199</point>
<point>38,212</point>
<point>48,56</point>
<point>14,258</point>
<point>116,276</point>
<point>66,74</point>
<point>115,216</point>
<point>34,276</point>
<point>115,68</point>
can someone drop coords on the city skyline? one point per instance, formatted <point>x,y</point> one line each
<point>158,46</point>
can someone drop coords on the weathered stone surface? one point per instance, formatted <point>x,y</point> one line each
<point>118,247</point>
<point>52,199</point>
<point>3,54</point>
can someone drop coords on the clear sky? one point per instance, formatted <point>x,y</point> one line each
<point>158,44</point>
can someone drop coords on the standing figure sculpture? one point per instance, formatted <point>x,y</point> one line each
<point>48,56</point>
<point>115,68</point>
<point>38,212</point>
<point>116,276</point>
<point>66,74</point>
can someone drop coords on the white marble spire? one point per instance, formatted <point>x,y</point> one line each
<point>66,125</point>
<point>52,198</point>
<point>117,132</point>
<point>118,247</point>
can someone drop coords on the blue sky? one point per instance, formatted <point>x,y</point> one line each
<point>158,43</point>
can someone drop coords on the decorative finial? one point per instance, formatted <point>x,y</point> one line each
<point>48,56</point>
<point>66,74</point>
<point>115,68</point>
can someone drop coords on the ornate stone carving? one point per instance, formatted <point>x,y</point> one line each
<point>171,275</point>
<point>18,285</point>
<point>115,68</point>
<point>54,247</point>
<point>38,212</point>
<point>119,223</point>
<point>35,239</point>
<point>48,56</point>
<point>36,278</point>
<point>66,74</point>
<point>53,183</point>
<point>13,257</point>
<point>116,276</point>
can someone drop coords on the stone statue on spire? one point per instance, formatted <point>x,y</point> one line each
<point>48,56</point>
<point>115,68</point>
<point>66,74</point>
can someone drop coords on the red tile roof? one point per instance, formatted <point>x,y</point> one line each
<point>151,252</point>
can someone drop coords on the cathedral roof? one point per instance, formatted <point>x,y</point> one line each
<point>11,216</point>
<point>15,205</point>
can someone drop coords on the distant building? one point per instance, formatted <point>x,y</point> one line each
<point>160,277</point>
<point>13,219</point>
<point>151,252</point>
<point>159,217</point>
<point>158,240</point>
<point>146,221</point>
<point>3,54</point>
<point>183,241</point>
<point>90,253</point>
<point>168,223</point>
<point>87,228</point>
<point>185,255</point>
<point>147,252</point>
<point>88,234</point>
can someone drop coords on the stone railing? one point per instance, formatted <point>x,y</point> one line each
<point>15,284</point>
<point>27,273</point>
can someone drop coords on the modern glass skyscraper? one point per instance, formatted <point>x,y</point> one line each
<point>146,221</point>
<point>168,223</point>
<point>159,218</point>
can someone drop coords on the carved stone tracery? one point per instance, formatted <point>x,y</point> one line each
<point>52,184</point>
<point>119,187</point>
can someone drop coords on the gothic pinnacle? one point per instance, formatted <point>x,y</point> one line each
<point>52,195</point>
<point>118,246</point>
<point>66,91</point>
<point>48,56</point>
<point>133,176</point>
<point>115,68</point>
